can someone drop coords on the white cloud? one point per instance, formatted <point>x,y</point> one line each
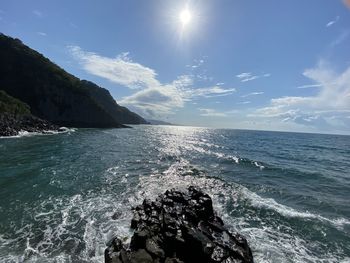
<point>121,70</point>
<point>157,101</point>
<point>153,98</point>
<point>164,99</point>
<point>248,76</point>
<point>244,102</point>
<point>332,102</point>
<point>252,94</point>
<point>330,23</point>
<point>41,34</point>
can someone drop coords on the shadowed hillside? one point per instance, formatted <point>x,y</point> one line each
<point>12,106</point>
<point>55,95</point>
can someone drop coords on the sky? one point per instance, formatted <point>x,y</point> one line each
<point>243,64</point>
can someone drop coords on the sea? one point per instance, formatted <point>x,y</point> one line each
<point>63,196</point>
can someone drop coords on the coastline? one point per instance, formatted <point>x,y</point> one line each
<point>17,125</point>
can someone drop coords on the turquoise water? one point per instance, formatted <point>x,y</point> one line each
<point>288,193</point>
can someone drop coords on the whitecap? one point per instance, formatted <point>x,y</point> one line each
<point>23,133</point>
<point>287,211</point>
<point>260,166</point>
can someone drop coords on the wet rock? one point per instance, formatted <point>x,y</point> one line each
<point>179,227</point>
<point>11,125</point>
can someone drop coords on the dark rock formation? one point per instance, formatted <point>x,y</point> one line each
<point>179,227</point>
<point>11,125</point>
<point>15,116</point>
<point>55,95</point>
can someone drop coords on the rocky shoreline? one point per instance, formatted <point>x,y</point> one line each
<point>179,227</point>
<point>11,125</point>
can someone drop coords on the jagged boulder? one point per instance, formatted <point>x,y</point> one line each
<point>179,227</point>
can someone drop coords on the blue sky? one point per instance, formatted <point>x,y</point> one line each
<point>271,65</point>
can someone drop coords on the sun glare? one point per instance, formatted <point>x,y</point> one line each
<point>185,17</point>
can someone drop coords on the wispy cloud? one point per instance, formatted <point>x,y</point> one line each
<point>41,34</point>
<point>248,76</point>
<point>244,102</point>
<point>210,92</point>
<point>252,94</point>
<point>37,13</point>
<point>197,63</point>
<point>332,22</point>
<point>121,70</point>
<point>72,25</point>
<point>203,77</point>
<point>164,99</point>
<point>155,101</point>
<point>152,97</point>
<point>211,112</point>
<point>328,109</point>
<point>309,86</point>
<point>198,71</point>
<point>341,38</point>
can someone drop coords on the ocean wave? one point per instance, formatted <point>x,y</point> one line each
<point>270,244</point>
<point>182,168</point>
<point>270,203</point>
<point>75,228</point>
<point>76,231</point>
<point>23,133</point>
<point>239,160</point>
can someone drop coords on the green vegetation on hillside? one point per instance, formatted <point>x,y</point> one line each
<point>11,105</point>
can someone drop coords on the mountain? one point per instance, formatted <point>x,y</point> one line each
<point>104,98</point>
<point>55,95</point>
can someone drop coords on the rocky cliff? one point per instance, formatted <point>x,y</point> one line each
<point>15,117</point>
<point>55,95</point>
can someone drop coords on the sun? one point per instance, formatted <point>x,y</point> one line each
<point>185,17</point>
